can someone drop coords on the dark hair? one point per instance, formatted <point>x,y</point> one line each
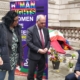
<point>8,19</point>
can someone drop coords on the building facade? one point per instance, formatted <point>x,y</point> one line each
<point>63,15</point>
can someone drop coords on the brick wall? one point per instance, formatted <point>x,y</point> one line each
<point>69,13</point>
<point>53,13</point>
<point>4,7</point>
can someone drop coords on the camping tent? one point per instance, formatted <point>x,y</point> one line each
<point>58,42</point>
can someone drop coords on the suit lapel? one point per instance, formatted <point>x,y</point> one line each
<point>36,33</point>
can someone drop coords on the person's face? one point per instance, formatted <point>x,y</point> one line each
<point>15,21</point>
<point>41,23</point>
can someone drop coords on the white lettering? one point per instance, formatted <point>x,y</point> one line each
<point>27,5</point>
<point>26,62</point>
<point>26,18</point>
<point>13,6</point>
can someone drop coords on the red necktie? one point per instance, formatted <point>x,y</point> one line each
<point>42,39</point>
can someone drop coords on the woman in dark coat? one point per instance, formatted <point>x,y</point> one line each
<point>10,45</point>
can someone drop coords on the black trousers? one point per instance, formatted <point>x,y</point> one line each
<point>71,76</point>
<point>32,67</point>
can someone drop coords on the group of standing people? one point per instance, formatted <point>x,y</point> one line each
<point>37,41</point>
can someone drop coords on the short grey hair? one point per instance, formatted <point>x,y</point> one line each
<point>39,16</point>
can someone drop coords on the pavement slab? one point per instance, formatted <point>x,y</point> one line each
<point>52,73</point>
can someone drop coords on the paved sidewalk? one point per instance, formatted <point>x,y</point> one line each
<point>53,74</point>
<point>63,69</point>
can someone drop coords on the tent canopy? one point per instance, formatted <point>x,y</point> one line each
<point>58,42</point>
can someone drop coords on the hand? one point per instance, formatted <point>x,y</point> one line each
<point>41,51</point>
<point>45,50</point>
<point>1,61</point>
<point>76,75</point>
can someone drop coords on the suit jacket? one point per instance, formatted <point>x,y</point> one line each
<point>34,43</point>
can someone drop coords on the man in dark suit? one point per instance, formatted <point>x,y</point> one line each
<point>38,42</point>
<point>76,74</point>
